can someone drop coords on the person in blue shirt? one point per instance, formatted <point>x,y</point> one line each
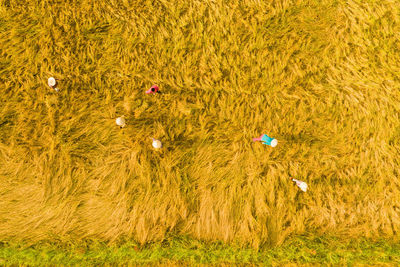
<point>266,140</point>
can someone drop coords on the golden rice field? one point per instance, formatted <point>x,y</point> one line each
<point>322,77</point>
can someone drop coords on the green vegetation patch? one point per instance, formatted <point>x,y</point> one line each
<point>181,251</point>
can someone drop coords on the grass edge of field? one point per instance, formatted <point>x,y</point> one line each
<point>180,250</point>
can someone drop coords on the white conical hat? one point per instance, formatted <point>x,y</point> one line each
<point>120,121</point>
<point>51,82</point>
<point>303,186</point>
<point>274,142</point>
<point>157,143</point>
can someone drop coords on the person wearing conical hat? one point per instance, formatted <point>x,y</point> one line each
<point>266,140</point>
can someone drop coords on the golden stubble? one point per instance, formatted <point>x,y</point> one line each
<point>321,77</point>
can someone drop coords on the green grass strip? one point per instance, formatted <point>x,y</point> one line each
<point>182,251</point>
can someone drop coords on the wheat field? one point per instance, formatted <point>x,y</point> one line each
<point>322,77</point>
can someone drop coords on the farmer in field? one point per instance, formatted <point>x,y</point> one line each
<point>154,89</point>
<point>266,140</point>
